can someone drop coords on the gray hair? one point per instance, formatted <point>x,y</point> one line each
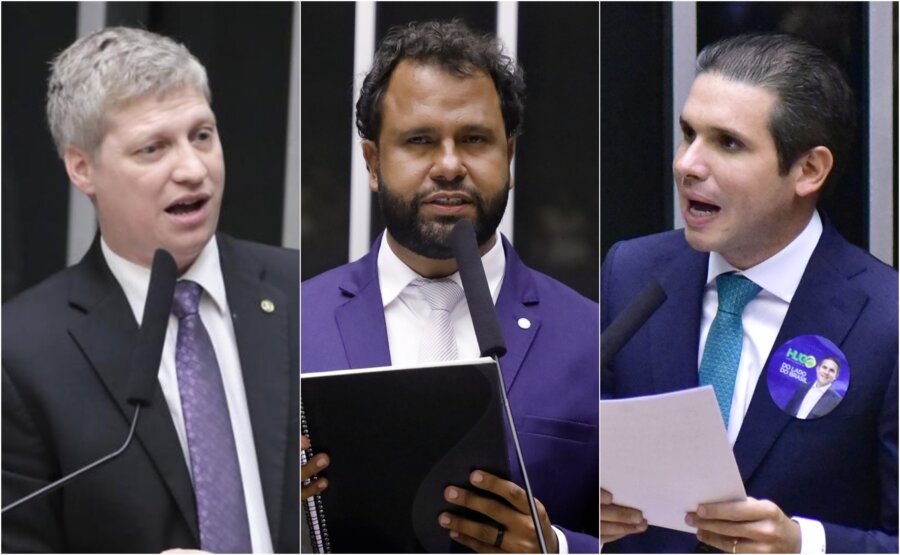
<point>108,68</point>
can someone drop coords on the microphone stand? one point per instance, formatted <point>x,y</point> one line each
<point>68,478</point>
<point>532,506</point>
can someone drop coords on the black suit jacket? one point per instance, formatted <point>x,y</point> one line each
<point>823,406</point>
<point>67,345</point>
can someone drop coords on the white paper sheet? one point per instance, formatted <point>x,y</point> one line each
<point>666,454</point>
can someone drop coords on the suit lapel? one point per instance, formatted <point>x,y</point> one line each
<point>825,304</point>
<point>361,319</point>
<point>107,338</point>
<point>264,349</point>
<point>518,299</point>
<point>675,329</point>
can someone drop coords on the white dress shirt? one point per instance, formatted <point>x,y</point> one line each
<point>811,398</point>
<point>778,276</point>
<point>406,311</point>
<point>216,316</point>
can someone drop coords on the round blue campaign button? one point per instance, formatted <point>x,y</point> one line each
<point>808,376</point>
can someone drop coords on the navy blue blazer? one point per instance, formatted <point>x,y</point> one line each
<point>551,372</point>
<point>840,469</point>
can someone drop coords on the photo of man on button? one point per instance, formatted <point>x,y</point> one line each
<point>766,129</point>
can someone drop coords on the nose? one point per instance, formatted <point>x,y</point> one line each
<point>690,164</point>
<point>448,164</point>
<point>190,168</point>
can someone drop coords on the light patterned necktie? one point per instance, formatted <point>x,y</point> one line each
<point>725,341</point>
<point>438,337</point>
<point>221,510</point>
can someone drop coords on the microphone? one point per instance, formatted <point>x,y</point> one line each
<point>478,295</point>
<point>148,351</point>
<point>144,362</point>
<point>629,321</point>
<point>490,338</point>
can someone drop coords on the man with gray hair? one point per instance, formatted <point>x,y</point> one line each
<point>215,461</point>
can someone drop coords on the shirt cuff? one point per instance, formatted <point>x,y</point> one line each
<point>563,542</point>
<point>812,535</point>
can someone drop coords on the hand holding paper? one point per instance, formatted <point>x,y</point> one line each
<point>666,454</point>
<point>749,526</point>
<point>617,521</point>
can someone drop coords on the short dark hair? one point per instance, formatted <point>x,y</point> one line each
<point>816,106</point>
<point>453,47</point>
<point>836,362</point>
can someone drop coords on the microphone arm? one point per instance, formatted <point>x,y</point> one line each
<point>145,363</point>
<point>490,338</point>
<point>69,477</point>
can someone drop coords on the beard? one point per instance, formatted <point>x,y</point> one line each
<point>431,237</point>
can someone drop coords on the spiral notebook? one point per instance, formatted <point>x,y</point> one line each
<point>396,438</point>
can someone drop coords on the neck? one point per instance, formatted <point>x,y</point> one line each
<point>431,268</point>
<point>766,250</point>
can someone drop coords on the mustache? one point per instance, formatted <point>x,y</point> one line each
<point>450,187</point>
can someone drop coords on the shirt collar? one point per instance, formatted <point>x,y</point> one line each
<point>780,274</point>
<point>135,279</point>
<point>394,275</point>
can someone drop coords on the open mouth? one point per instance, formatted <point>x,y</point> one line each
<point>698,208</point>
<point>182,208</point>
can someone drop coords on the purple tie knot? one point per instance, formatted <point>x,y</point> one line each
<point>187,298</point>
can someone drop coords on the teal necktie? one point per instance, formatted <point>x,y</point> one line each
<point>722,353</point>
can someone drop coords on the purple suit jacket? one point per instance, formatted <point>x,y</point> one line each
<point>551,372</point>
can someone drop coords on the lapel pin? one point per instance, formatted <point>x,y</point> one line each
<point>267,306</point>
<point>524,323</point>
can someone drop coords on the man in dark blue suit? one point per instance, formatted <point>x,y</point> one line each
<point>767,124</point>
<point>822,402</point>
<point>439,114</point>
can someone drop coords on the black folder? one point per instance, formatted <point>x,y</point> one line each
<point>396,438</point>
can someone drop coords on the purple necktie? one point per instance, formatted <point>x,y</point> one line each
<point>221,510</point>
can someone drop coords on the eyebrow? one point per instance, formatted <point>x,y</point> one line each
<point>716,129</point>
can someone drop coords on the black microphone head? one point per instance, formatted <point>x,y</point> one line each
<point>478,295</point>
<point>629,321</point>
<point>148,349</point>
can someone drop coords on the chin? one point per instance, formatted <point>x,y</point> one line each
<point>698,242</point>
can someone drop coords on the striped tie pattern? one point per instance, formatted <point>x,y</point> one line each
<point>438,338</point>
<point>722,352</point>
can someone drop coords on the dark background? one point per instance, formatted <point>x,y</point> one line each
<point>556,174</point>
<point>636,103</point>
<point>246,48</point>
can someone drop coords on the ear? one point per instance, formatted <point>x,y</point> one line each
<point>80,169</point>
<point>510,153</point>
<point>812,170</point>
<point>370,153</point>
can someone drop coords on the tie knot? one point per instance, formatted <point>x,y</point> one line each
<point>187,298</point>
<point>441,294</point>
<point>735,292</point>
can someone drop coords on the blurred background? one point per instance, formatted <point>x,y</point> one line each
<point>250,53</point>
<point>647,55</point>
<point>552,218</point>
